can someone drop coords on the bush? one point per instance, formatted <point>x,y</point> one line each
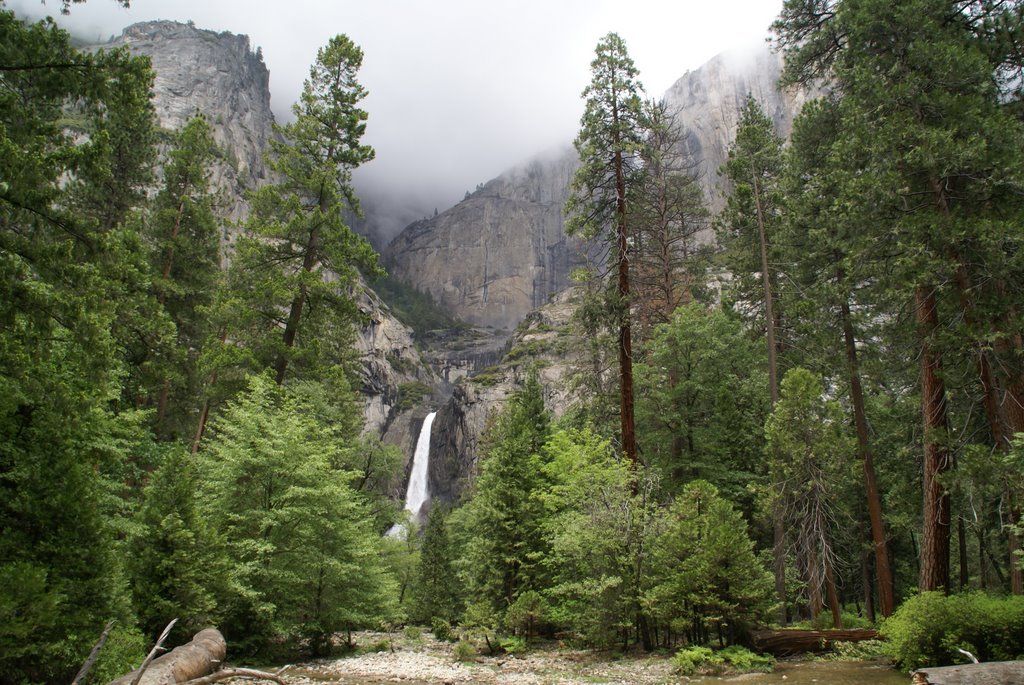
<point>441,629</point>
<point>733,659</point>
<point>693,659</point>
<point>928,629</point>
<point>464,651</point>
<point>513,644</point>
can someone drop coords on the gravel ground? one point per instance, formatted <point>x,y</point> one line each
<point>425,660</point>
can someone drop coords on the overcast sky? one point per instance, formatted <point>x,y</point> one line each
<point>459,90</point>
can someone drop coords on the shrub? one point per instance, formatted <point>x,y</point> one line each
<point>928,629</point>
<point>691,659</point>
<point>413,633</point>
<point>464,651</point>
<point>513,644</point>
<point>705,661</point>
<point>441,629</point>
<point>745,661</point>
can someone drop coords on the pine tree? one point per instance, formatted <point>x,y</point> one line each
<point>610,137</point>
<point>501,521</point>
<point>669,213</point>
<point>747,230</point>
<point>67,281</point>
<point>183,242</point>
<point>925,127</point>
<point>807,450</point>
<point>435,595</point>
<point>301,259</point>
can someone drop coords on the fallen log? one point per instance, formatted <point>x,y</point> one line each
<point>202,656</point>
<point>790,641</point>
<point>988,673</point>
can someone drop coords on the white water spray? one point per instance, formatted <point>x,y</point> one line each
<point>416,493</point>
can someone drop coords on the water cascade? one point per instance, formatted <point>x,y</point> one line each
<point>416,493</point>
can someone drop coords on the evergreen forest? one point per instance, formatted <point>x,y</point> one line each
<point>814,417</point>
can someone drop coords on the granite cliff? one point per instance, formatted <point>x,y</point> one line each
<point>219,75</point>
<point>503,251</point>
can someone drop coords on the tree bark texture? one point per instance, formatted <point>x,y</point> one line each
<point>200,657</point>
<point>878,537</point>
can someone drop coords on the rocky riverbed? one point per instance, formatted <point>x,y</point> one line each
<point>421,660</point>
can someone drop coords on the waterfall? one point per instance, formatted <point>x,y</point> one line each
<point>416,493</point>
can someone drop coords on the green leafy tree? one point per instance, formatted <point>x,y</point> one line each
<point>504,544</point>
<point>610,137</point>
<point>305,563</point>
<point>702,402</point>
<point>435,596</point>
<point>601,532</point>
<point>300,260</point>
<point>68,280</point>
<point>176,561</point>
<point>928,134</point>
<point>746,228</point>
<point>705,571</point>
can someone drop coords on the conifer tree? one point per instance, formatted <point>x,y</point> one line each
<point>608,143</point>
<point>302,259</point>
<point>502,552</point>
<point>746,228</point>
<point>183,244</point>
<point>924,121</point>
<point>435,596</point>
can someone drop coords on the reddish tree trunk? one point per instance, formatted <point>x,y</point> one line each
<point>878,537</point>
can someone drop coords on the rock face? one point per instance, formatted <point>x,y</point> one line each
<point>220,76</point>
<point>708,101</point>
<point>499,253</point>
<point>542,342</point>
<point>503,251</point>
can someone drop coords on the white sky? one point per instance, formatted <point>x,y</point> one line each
<point>459,90</point>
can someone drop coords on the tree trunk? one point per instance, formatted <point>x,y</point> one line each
<point>878,537</point>
<point>935,534</point>
<point>291,328</point>
<point>200,657</point>
<point>626,409</point>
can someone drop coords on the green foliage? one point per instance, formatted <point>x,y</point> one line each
<point>299,256</point>
<point>706,574</point>
<point>464,650</point>
<point>704,401</point>
<point>305,561</point>
<point>435,595</point>
<point>732,659</point>
<point>71,280</point>
<point>123,652</point>
<point>176,563</point>
<point>513,644</point>
<point>500,526</point>
<point>182,239</point>
<point>600,534</point>
<point>442,629</point>
<point>928,629</point>
<point>687,661</point>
